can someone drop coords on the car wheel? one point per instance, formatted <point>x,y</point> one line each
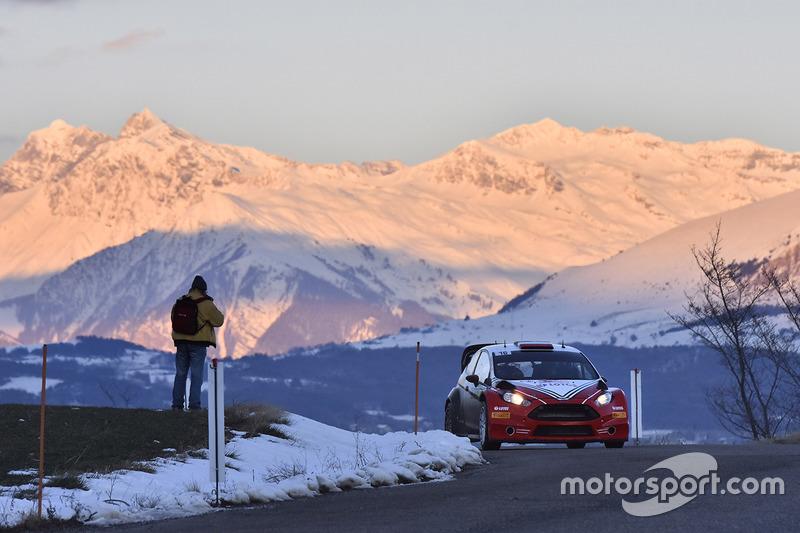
<point>448,419</point>
<point>614,443</point>
<point>486,444</point>
<point>576,445</point>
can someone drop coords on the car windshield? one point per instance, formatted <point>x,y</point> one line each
<point>543,365</point>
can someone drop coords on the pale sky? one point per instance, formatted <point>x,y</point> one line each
<point>330,81</point>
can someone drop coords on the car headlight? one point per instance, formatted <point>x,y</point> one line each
<point>604,398</point>
<point>516,398</point>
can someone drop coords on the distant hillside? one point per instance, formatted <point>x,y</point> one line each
<point>626,300</point>
<point>364,389</point>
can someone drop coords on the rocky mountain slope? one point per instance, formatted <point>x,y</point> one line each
<point>101,234</point>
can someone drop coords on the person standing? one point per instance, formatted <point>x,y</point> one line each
<point>191,346</point>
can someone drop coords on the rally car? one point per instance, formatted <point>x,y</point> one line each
<point>534,392</point>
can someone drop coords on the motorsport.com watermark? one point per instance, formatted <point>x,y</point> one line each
<point>693,474</point>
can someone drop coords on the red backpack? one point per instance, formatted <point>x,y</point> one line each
<point>185,315</point>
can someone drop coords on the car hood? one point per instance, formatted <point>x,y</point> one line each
<point>559,389</point>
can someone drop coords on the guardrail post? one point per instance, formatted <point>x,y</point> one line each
<point>636,405</point>
<point>41,428</point>
<point>416,394</point>
<point>216,425</point>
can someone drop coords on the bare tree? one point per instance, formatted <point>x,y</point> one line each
<point>788,294</point>
<point>126,393</point>
<point>789,297</point>
<point>724,315</point>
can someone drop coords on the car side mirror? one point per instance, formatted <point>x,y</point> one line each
<point>473,378</point>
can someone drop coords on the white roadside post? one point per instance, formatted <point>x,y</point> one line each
<point>636,405</point>
<point>216,425</point>
<point>416,394</point>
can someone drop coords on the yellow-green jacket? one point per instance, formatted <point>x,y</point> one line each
<point>208,318</point>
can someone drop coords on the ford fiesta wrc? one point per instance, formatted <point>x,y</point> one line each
<point>534,392</point>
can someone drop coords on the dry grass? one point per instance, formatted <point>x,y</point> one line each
<point>256,419</point>
<point>33,522</point>
<point>86,441</point>
<point>79,440</point>
<point>791,438</point>
<point>92,439</point>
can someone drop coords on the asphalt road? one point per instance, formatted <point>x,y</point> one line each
<point>520,489</point>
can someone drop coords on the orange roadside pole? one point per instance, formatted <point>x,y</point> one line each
<point>41,428</point>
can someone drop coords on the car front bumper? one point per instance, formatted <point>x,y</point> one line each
<point>558,423</point>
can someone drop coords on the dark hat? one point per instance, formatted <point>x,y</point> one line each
<point>199,283</point>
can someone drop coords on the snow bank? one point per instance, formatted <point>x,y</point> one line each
<point>319,459</point>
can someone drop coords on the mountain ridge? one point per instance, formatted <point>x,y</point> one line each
<point>456,236</point>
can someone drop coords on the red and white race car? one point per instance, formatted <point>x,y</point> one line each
<point>534,392</point>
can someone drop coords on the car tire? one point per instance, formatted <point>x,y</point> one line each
<point>449,424</point>
<point>576,445</point>
<point>614,443</point>
<point>486,443</point>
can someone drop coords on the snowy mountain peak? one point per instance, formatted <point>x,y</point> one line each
<point>138,123</point>
<point>48,153</point>
<point>60,135</point>
<point>527,135</point>
<point>59,125</point>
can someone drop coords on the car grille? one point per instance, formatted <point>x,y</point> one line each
<point>563,413</point>
<point>563,431</point>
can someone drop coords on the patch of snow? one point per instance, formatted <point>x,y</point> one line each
<point>29,384</point>
<point>318,459</point>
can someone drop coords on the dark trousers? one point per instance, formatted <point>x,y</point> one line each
<point>188,357</point>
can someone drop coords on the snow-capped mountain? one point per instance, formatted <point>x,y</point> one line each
<point>101,234</point>
<point>626,300</point>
